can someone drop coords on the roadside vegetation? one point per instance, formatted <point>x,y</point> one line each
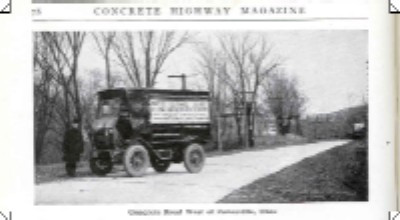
<point>340,174</point>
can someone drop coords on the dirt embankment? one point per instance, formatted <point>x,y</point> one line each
<point>340,174</point>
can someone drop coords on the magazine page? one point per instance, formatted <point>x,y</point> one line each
<point>197,109</point>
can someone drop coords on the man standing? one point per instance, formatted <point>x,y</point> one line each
<point>72,147</point>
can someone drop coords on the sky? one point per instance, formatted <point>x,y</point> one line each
<point>329,65</point>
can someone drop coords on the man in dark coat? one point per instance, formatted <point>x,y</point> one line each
<point>72,147</point>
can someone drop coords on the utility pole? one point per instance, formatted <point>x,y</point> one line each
<point>215,92</point>
<point>219,124</point>
<point>243,113</point>
<point>183,78</point>
<point>214,111</point>
<point>247,134</point>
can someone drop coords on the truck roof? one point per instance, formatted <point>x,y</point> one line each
<point>153,92</point>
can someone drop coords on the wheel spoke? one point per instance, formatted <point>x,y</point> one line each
<point>195,158</point>
<point>101,164</point>
<point>137,160</point>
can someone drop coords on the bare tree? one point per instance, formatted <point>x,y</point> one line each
<point>250,61</point>
<point>143,54</point>
<point>65,48</point>
<point>285,102</point>
<point>104,42</point>
<point>46,93</point>
<point>57,96</point>
<point>211,65</point>
<point>241,63</point>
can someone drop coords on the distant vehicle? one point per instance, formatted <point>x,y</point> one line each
<point>359,130</point>
<point>142,127</point>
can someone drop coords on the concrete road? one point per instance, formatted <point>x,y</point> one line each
<point>220,176</point>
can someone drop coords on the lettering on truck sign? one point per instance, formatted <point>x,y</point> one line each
<point>179,112</point>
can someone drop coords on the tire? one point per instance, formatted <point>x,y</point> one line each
<point>160,165</point>
<point>194,158</point>
<point>136,160</point>
<point>100,166</point>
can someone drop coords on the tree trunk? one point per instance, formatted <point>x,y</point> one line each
<point>108,70</point>
<point>39,140</point>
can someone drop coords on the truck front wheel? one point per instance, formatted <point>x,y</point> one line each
<point>194,158</point>
<point>136,160</point>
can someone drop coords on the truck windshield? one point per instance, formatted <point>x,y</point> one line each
<point>109,107</point>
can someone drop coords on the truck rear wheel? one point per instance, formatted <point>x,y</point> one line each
<point>194,158</point>
<point>136,160</point>
<point>101,166</point>
<point>160,165</point>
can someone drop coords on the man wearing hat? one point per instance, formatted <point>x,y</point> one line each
<point>72,147</point>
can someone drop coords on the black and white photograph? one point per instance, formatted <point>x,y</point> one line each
<point>211,116</point>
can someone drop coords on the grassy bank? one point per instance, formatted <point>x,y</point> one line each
<point>340,174</point>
